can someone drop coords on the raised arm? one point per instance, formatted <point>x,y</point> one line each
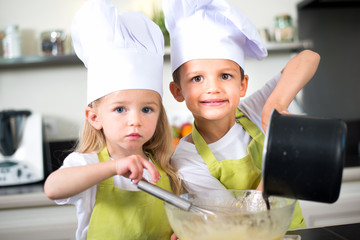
<point>296,74</point>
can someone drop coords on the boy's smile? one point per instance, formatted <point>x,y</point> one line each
<point>213,102</point>
<point>211,89</point>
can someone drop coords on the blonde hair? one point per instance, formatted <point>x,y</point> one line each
<point>160,145</point>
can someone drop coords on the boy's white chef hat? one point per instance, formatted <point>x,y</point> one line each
<point>120,51</point>
<point>210,29</point>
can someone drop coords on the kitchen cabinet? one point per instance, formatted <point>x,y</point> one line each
<point>26,213</point>
<point>41,223</point>
<point>71,59</point>
<point>33,216</point>
<point>345,210</point>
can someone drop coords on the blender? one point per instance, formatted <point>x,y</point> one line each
<point>21,148</point>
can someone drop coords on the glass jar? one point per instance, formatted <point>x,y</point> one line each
<point>284,30</point>
<point>52,42</point>
<point>12,42</point>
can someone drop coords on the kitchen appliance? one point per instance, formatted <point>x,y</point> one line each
<point>21,148</point>
<point>303,157</point>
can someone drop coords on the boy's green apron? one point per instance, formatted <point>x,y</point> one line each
<point>244,173</point>
<point>122,214</point>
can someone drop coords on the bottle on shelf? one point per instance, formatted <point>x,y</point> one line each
<point>284,30</point>
<point>12,42</point>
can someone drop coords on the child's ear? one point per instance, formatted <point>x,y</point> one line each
<point>92,117</point>
<point>176,91</point>
<point>244,85</point>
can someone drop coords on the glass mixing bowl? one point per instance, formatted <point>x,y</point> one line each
<point>238,215</point>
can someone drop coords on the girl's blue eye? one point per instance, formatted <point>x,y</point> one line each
<point>226,76</point>
<point>146,110</point>
<point>120,109</point>
<point>197,79</point>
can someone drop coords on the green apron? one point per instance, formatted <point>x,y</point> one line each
<point>122,214</point>
<point>244,173</point>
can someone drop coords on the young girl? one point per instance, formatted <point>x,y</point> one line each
<point>126,135</point>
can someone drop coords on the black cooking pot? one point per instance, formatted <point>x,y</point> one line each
<point>11,128</point>
<point>303,157</point>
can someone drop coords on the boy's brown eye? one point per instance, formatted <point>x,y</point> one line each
<point>225,76</point>
<point>197,79</point>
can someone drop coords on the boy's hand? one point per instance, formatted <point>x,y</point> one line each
<point>260,186</point>
<point>173,237</point>
<point>133,167</point>
<point>267,110</point>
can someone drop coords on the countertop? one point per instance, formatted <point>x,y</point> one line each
<point>29,197</point>
<point>339,232</point>
<point>32,195</point>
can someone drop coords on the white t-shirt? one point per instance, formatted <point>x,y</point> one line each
<point>192,168</point>
<point>85,201</point>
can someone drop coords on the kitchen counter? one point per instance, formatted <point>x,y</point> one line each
<point>33,195</point>
<point>339,232</point>
<point>25,213</point>
<point>345,210</point>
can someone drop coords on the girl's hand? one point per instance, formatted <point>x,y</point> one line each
<point>133,167</point>
<point>173,237</point>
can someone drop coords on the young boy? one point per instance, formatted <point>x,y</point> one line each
<point>209,41</point>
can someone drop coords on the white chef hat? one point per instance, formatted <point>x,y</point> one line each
<point>120,51</point>
<point>210,29</point>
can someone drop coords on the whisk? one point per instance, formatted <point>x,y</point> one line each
<point>171,198</point>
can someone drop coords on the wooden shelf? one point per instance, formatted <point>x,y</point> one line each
<point>39,61</point>
<point>288,46</point>
<point>72,59</point>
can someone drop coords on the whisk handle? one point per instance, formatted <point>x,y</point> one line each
<point>164,195</point>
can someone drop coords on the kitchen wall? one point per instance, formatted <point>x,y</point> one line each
<point>59,92</point>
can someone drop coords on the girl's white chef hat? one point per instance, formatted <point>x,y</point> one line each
<point>210,29</point>
<point>121,51</point>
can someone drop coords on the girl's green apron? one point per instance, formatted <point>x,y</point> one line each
<point>244,173</point>
<point>122,214</point>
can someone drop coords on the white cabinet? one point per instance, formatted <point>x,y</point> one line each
<point>38,218</point>
<point>345,210</point>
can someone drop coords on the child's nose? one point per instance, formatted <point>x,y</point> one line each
<point>134,119</point>
<point>213,85</point>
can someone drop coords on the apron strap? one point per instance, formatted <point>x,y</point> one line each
<point>103,156</point>
<point>209,158</point>
<point>256,134</point>
<point>206,153</point>
<point>161,171</point>
<point>249,126</point>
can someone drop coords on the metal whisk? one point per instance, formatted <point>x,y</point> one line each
<point>172,198</point>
